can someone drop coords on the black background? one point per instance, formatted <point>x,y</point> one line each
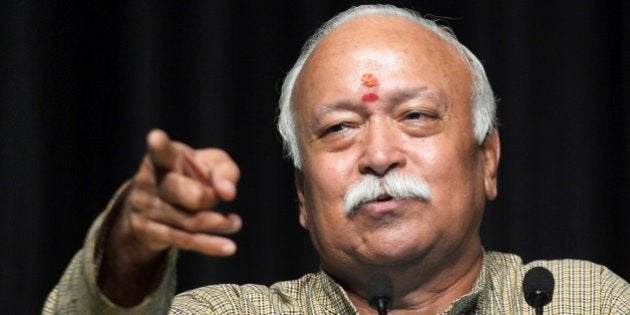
<point>81,83</point>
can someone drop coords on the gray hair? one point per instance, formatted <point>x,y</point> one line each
<point>483,101</point>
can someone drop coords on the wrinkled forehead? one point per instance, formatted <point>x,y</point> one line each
<point>385,46</point>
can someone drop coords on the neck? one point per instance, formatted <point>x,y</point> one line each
<point>422,289</point>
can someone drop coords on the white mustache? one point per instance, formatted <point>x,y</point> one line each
<point>395,184</point>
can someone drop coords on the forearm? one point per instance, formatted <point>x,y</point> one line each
<point>125,279</point>
<point>128,272</point>
<point>78,293</point>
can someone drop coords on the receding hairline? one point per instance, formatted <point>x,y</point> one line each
<point>483,100</point>
<point>395,25</point>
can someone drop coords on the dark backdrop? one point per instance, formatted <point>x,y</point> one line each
<point>82,82</point>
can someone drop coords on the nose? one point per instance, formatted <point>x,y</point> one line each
<point>382,148</point>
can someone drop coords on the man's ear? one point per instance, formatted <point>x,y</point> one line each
<point>491,148</point>
<point>299,188</point>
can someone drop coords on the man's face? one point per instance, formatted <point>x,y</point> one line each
<point>381,95</point>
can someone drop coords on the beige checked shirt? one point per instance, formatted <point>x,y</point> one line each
<point>581,287</point>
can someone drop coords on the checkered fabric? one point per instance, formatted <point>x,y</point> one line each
<point>581,287</point>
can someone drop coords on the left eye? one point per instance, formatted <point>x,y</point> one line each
<point>418,115</point>
<point>414,115</point>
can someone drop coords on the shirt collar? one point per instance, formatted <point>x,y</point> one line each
<point>467,304</point>
<point>332,297</point>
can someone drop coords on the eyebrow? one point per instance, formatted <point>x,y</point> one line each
<point>393,98</point>
<point>401,96</point>
<point>341,105</point>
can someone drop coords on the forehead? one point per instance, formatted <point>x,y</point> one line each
<point>394,49</point>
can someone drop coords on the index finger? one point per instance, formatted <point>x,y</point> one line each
<point>161,150</point>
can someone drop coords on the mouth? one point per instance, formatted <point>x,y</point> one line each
<point>383,197</point>
<point>384,204</point>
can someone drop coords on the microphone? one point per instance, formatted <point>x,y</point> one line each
<point>380,292</point>
<point>538,286</point>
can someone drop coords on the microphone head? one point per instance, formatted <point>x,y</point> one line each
<point>380,291</point>
<point>538,286</point>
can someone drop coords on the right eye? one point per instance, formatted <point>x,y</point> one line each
<point>337,128</point>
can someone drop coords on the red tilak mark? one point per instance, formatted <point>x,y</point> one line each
<point>370,97</point>
<point>369,80</point>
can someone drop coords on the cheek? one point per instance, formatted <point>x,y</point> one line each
<point>325,185</point>
<point>330,171</point>
<point>445,166</point>
<point>426,155</point>
<point>324,181</point>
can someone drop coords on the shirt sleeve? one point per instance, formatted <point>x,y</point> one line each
<point>77,291</point>
<point>615,293</point>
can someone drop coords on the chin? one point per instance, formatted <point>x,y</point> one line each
<point>396,255</point>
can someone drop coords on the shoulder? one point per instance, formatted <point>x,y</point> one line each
<point>580,285</point>
<point>511,264</point>
<point>242,299</point>
<point>568,273</point>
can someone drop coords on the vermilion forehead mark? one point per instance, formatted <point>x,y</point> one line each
<point>369,97</point>
<point>369,80</point>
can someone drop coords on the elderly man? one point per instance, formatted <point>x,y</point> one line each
<point>390,124</point>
